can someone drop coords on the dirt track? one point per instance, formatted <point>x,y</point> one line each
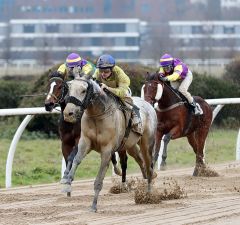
<point>209,200</point>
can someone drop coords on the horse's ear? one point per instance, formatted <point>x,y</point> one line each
<point>87,77</point>
<point>147,75</point>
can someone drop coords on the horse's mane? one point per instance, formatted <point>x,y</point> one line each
<point>107,94</point>
<point>155,77</point>
<point>56,74</point>
<point>152,76</point>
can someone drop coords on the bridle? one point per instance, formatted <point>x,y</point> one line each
<point>64,90</point>
<point>86,101</point>
<point>149,96</point>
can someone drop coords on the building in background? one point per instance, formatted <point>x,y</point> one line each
<point>44,32</point>
<point>47,41</point>
<point>230,3</point>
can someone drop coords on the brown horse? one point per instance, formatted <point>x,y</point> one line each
<point>104,128</point>
<point>176,118</point>
<point>69,132</point>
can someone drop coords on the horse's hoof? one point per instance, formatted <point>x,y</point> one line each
<point>68,194</point>
<point>67,188</point>
<point>154,175</point>
<point>93,209</point>
<point>117,171</point>
<point>149,189</point>
<point>64,181</point>
<point>163,168</point>
<point>195,172</point>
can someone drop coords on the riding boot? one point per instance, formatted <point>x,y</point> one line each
<point>196,107</point>
<point>136,121</point>
<point>135,115</point>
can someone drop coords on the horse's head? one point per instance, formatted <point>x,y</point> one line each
<point>81,92</point>
<point>152,89</point>
<point>57,90</point>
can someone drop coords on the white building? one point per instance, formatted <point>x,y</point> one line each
<point>211,44</point>
<point>49,39</point>
<point>230,3</point>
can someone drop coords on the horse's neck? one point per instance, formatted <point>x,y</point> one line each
<point>99,105</point>
<point>169,97</point>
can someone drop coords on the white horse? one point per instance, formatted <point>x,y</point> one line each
<point>105,129</point>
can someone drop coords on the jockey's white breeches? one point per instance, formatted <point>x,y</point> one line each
<point>183,85</point>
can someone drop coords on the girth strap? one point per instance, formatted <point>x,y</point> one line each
<point>124,140</point>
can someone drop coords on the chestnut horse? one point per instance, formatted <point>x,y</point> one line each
<point>176,118</point>
<point>104,128</point>
<point>69,132</point>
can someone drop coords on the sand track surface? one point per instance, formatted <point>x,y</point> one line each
<point>208,200</point>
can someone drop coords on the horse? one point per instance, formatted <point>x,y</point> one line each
<point>105,129</point>
<point>69,132</point>
<point>176,119</point>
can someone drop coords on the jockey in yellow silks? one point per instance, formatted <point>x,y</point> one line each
<point>111,76</point>
<point>115,80</point>
<point>175,71</point>
<point>76,66</point>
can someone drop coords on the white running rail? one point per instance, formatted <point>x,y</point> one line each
<point>30,112</point>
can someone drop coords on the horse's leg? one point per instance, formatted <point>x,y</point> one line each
<point>114,162</point>
<point>83,149</point>
<point>147,147</point>
<point>166,139</point>
<point>69,163</point>
<point>159,136</point>
<point>197,141</point>
<point>136,154</point>
<point>123,161</point>
<point>105,159</point>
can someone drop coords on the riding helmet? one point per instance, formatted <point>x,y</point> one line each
<point>73,60</point>
<point>166,60</point>
<point>105,61</point>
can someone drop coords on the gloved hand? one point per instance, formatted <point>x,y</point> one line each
<point>165,79</point>
<point>103,86</point>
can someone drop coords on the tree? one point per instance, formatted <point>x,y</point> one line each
<point>232,71</point>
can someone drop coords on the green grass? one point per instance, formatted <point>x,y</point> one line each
<point>39,161</point>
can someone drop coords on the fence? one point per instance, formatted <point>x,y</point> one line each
<point>30,112</point>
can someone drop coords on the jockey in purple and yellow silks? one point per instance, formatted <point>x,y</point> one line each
<point>115,80</point>
<point>176,72</point>
<point>76,66</point>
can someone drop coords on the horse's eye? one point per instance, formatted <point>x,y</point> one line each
<point>84,91</point>
<point>59,88</point>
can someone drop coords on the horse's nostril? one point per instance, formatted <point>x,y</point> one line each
<point>49,106</point>
<point>70,114</point>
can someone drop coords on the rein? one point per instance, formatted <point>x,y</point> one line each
<point>180,103</point>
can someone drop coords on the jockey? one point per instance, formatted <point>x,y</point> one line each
<point>176,72</point>
<point>76,66</point>
<point>114,79</point>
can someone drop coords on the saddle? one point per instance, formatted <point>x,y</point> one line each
<point>130,111</point>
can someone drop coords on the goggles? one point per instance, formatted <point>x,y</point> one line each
<point>167,68</point>
<point>106,71</point>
